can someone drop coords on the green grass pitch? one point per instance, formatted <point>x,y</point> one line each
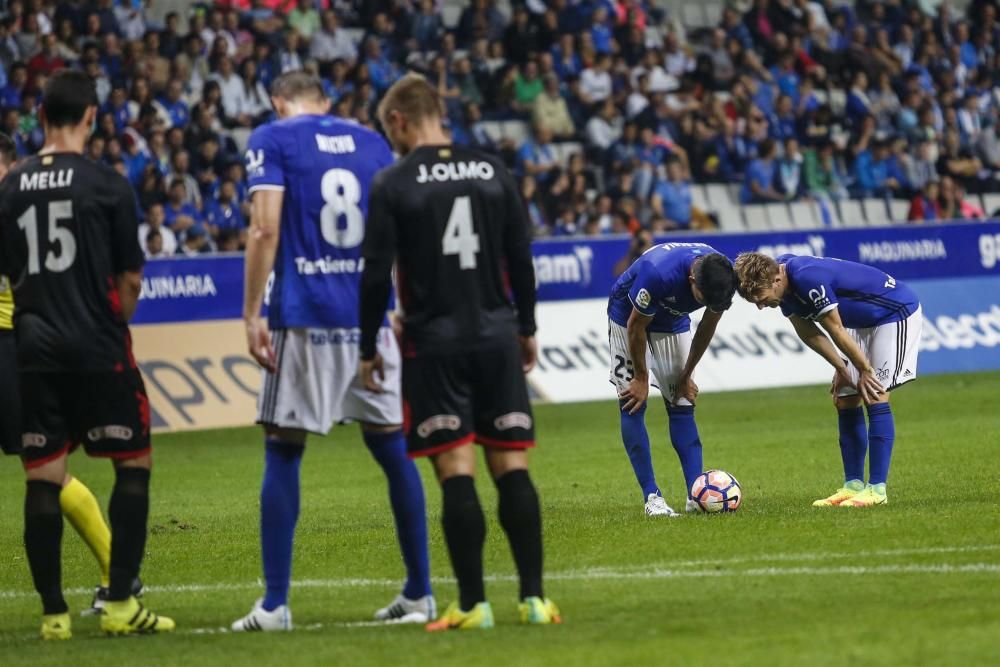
<point>779,582</point>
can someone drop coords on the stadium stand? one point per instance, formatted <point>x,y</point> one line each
<point>880,112</point>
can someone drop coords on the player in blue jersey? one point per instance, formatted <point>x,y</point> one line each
<point>309,176</point>
<point>649,330</point>
<point>875,322</point>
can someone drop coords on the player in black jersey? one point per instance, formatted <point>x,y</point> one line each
<point>68,233</point>
<point>452,222</point>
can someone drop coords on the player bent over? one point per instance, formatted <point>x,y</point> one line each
<point>649,330</point>
<point>453,222</point>
<point>309,175</point>
<point>71,250</point>
<point>76,501</point>
<point>875,322</point>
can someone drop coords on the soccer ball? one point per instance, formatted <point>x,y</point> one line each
<point>717,491</point>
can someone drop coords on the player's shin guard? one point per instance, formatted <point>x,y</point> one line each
<point>521,518</point>
<point>80,508</point>
<point>853,442</point>
<point>636,440</point>
<point>687,444</point>
<point>129,512</point>
<point>406,494</point>
<point>881,436</point>
<point>43,527</point>
<point>465,533</point>
<point>279,512</point>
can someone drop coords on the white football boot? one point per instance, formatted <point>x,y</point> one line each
<point>261,620</point>
<point>405,610</point>
<point>657,506</point>
<point>692,506</point>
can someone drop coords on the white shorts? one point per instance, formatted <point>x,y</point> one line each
<point>666,355</point>
<point>892,349</point>
<point>316,384</point>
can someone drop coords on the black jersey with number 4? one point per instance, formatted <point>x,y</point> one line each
<point>453,220</point>
<point>67,228</point>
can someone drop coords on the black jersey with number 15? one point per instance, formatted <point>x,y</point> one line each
<point>67,228</point>
<point>453,220</point>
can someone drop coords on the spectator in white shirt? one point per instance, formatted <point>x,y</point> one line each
<point>638,99</point>
<point>595,82</point>
<point>332,43</point>
<point>230,85</point>
<point>167,245</point>
<point>677,58</point>
<point>605,127</point>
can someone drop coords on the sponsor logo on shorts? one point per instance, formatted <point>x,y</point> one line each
<point>907,373</point>
<point>438,423</point>
<point>109,432</point>
<point>335,337</point>
<point>643,299</point>
<point>512,420</point>
<point>883,373</point>
<point>33,440</point>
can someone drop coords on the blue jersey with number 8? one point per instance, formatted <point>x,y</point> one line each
<point>325,167</point>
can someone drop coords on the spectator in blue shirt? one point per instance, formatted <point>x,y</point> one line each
<point>784,124</point>
<point>117,106</point>
<point>174,106</point>
<point>789,177</point>
<point>224,212</point>
<point>650,156</point>
<point>600,33</point>
<point>672,197</point>
<point>383,72</point>
<point>10,94</point>
<point>758,182</point>
<point>536,156</point>
<point>180,216</point>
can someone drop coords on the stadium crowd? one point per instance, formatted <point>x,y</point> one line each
<point>787,99</point>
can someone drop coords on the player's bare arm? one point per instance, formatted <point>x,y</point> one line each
<point>686,387</point>
<point>869,387</point>
<point>638,387</point>
<point>129,285</point>
<point>262,246</point>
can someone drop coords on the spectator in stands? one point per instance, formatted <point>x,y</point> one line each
<point>179,214</point>
<point>642,240</point>
<point>180,169</point>
<point>925,206</point>
<point>920,169</point>
<point>223,212</point>
<point>520,39</point>
<point>154,225</point>
<point>332,43</point>
<point>789,177</point>
<point>537,156</point>
<point>10,94</point>
<point>604,128</point>
<point>174,106</point>
<point>758,183</point>
<point>382,70</point>
<point>551,112</point>
<point>304,18</point>
<point>152,246</point>
<point>426,26</point>
<point>672,197</point>
<point>595,81</point>
<point>196,241</point>
<point>958,162</point>
<point>527,87</point>
<point>823,176</point>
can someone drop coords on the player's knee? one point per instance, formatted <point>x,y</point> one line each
<point>285,436</point>
<point>640,411</point>
<point>457,462</point>
<point>144,462</point>
<point>504,461</point>
<point>848,402</point>
<point>368,427</point>
<point>50,471</point>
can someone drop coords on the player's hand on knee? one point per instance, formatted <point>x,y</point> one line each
<point>259,343</point>
<point>372,373</point>
<point>869,387</point>
<point>529,352</point>
<point>634,395</point>
<point>686,388</point>
<point>841,379</point>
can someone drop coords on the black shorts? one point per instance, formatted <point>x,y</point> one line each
<point>10,396</point>
<point>108,413</point>
<point>480,396</point>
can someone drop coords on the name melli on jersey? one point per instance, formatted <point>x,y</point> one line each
<point>46,180</point>
<point>454,171</point>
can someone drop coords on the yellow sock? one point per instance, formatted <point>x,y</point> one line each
<point>80,507</point>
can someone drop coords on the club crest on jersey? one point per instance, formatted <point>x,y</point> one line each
<point>455,171</point>
<point>512,420</point>
<point>818,297</point>
<point>109,432</point>
<point>643,298</point>
<point>438,423</point>
<point>255,162</point>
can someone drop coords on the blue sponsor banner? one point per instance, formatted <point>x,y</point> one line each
<point>961,324</point>
<point>211,288</point>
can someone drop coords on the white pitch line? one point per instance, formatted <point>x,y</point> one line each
<point>597,574</point>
